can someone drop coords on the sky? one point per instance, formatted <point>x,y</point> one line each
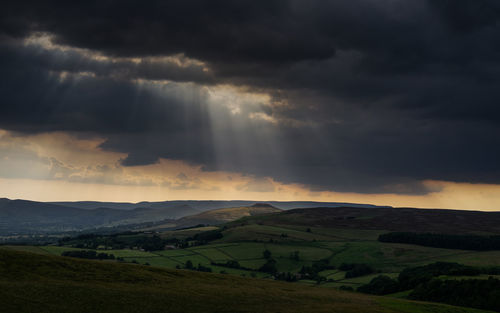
<point>391,102</point>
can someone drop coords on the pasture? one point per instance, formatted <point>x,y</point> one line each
<point>45,283</point>
<point>292,247</point>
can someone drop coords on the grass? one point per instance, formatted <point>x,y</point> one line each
<point>335,244</point>
<point>155,261</point>
<point>484,276</point>
<point>385,257</point>
<point>367,278</point>
<point>244,251</point>
<point>195,259</point>
<point>124,253</point>
<point>295,233</point>
<point>401,294</point>
<point>389,257</point>
<point>174,253</point>
<point>45,283</point>
<point>184,233</point>
<point>405,306</point>
<point>476,258</point>
<point>306,253</point>
<point>212,253</point>
<point>32,249</point>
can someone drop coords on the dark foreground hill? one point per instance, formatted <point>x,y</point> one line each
<point>390,219</point>
<point>43,284</point>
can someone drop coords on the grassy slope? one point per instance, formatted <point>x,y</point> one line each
<point>391,219</point>
<point>338,245</point>
<point>43,283</point>
<point>219,216</point>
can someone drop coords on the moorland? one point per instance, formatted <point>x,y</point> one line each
<point>359,259</point>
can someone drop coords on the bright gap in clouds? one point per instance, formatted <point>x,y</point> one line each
<point>58,166</point>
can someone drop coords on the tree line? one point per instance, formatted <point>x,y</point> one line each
<point>447,241</point>
<point>132,240</point>
<point>477,293</point>
<point>88,254</point>
<point>426,285</point>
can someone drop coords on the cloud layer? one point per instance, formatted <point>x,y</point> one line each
<point>360,96</point>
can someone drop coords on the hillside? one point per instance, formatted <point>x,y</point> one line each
<point>220,216</point>
<point>40,283</point>
<point>203,205</point>
<point>389,219</point>
<point>22,216</point>
<point>32,217</point>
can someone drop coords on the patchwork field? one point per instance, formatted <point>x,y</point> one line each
<point>39,283</point>
<point>246,244</point>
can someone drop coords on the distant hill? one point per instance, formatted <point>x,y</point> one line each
<point>21,216</point>
<point>204,205</point>
<point>220,216</point>
<point>391,219</point>
<point>31,217</point>
<point>47,284</point>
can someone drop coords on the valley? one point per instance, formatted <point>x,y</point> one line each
<point>263,242</point>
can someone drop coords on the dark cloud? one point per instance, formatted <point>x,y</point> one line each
<point>468,15</point>
<point>367,96</point>
<point>44,92</point>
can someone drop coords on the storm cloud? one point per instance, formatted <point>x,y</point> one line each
<point>359,96</point>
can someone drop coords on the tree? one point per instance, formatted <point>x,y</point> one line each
<point>189,265</point>
<point>269,267</point>
<point>267,254</point>
<point>294,255</point>
<point>380,285</point>
<point>202,268</point>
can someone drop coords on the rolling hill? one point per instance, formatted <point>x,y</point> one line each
<point>224,215</point>
<point>43,284</point>
<point>389,219</point>
<point>203,205</point>
<point>31,217</point>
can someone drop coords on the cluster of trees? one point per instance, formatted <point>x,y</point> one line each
<point>419,278</point>
<point>478,293</point>
<point>153,243</point>
<point>312,272</point>
<point>463,242</point>
<point>411,277</point>
<point>381,285</point>
<point>130,240</point>
<point>88,254</point>
<point>269,267</point>
<point>232,264</point>
<point>286,276</point>
<point>118,241</point>
<point>200,268</point>
<point>356,269</point>
<point>207,236</point>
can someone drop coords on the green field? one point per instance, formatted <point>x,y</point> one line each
<point>45,284</point>
<point>247,242</point>
<point>292,248</point>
